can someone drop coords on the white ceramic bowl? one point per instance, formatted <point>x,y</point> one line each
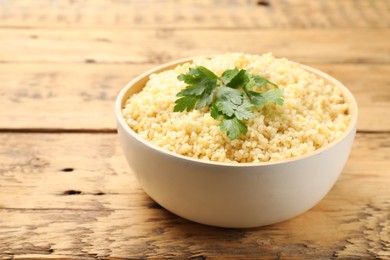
<point>233,195</point>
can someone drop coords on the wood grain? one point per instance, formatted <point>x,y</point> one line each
<point>66,191</point>
<point>74,196</point>
<point>81,96</point>
<point>65,96</point>
<point>166,44</point>
<point>196,14</point>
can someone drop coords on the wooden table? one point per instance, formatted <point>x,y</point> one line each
<point>65,189</point>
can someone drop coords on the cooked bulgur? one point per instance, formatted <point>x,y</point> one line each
<point>314,114</point>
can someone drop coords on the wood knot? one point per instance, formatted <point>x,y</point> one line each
<point>67,170</point>
<point>72,192</point>
<point>263,3</point>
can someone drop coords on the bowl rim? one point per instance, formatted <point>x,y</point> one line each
<point>123,96</point>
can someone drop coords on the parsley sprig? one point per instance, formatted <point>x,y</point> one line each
<point>230,98</point>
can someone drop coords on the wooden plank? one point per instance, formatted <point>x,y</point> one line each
<point>160,45</point>
<point>196,14</point>
<point>62,96</point>
<point>81,96</point>
<point>112,217</point>
<point>91,164</point>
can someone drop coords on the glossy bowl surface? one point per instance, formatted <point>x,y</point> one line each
<point>233,195</point>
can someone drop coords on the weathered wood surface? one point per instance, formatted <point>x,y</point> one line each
<point>65,189</point>
<point>159,45</point>
<point>73,196</point>
<point>81,96</point>
<point>200,14</point>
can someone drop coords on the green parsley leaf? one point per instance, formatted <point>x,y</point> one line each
<point>274,96</point>
<point>232,95</point>
<point>239,79</point>
<point>230,98</point>
<point>215,113</point>
<point>201,83</point>
<point>261,99</point>
<point>233,127</point>
<point>206,98</point>
<point>257,81</point>
<point>262,82</point>
<point>185,103</point>
<point>228,75</point>
<point>192,90</point>
<point>243,112</point>
<point>231,102</point>
<point>194,75</point>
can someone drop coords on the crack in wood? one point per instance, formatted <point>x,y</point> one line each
<point>67,170</point>
<point>372,240</point>
<point>77,192</point>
